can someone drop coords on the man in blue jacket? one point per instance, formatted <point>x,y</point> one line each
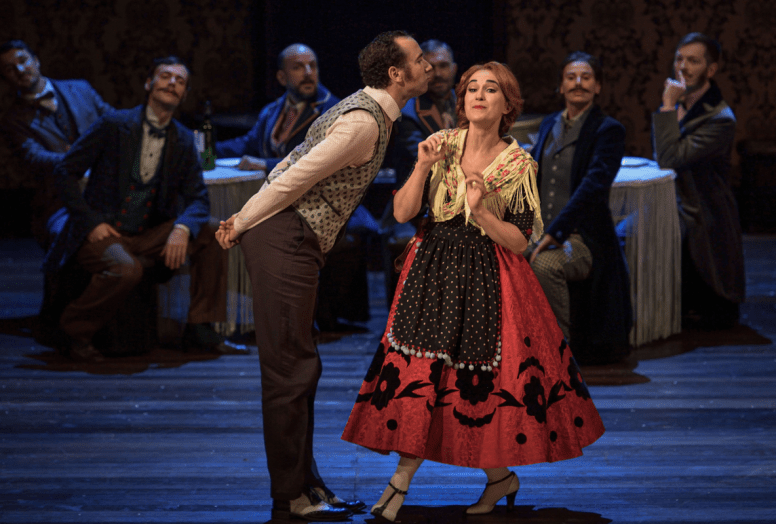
<point>579,151</point>
<point>283,124</point>
<point>42,122</point>
<point>145,199</point>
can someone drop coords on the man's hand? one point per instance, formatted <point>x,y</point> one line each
<point>226,234</point>
<point>251,163</point>
<point>673,91</point>
<point>174,251</point>
<point>101,232</point>
<point>547,242</point>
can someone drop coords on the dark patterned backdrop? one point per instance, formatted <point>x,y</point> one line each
<point>635,39</point>
<point>230,46</point>
<point>112,43</point>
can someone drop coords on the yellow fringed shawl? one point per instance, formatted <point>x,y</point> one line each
<point>510,183</point>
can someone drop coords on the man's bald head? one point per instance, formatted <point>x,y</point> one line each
<point>298,71</point>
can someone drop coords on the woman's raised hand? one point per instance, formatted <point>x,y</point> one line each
<point>431,150</point>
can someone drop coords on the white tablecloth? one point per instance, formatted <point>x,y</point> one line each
<point>228,189</point>
<point>643,204</point>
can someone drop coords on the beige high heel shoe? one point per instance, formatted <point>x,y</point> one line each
<point>382,512</point>
<point>495,491</point>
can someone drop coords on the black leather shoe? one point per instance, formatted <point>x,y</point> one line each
<point>82,350</point>
<point>199,338</point>
<point>328,496</point>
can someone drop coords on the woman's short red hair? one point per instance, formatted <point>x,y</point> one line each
<point>509,86</point>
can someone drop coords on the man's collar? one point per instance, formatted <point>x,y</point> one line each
<point>48,91</point>
<point>152,119</point>
<point>580,117</point>
<point>291,101</point>
<point>711,98</point>
<point>386,102</point>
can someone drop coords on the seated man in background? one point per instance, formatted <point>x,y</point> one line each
<point>579,151</point>
<point>145,198</point>
<point>283,124</point>
<point>43,121</point>
<point>693,134</point>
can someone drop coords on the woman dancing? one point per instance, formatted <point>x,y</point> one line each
<point>473,369</point>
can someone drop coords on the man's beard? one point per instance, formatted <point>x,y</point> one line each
<point>703,77</point>
<point>440,92</point>
<point>302,97</point>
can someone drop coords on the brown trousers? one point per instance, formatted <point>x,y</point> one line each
<point>283,260</point>
<point>116,269</point>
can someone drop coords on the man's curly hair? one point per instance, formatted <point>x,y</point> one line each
<point>378,56</point>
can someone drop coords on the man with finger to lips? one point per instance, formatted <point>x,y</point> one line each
<point>693,133</point>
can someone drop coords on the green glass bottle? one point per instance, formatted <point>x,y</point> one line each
<point>209,152</point>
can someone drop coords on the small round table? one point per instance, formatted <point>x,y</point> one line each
<point>643,204</point>
<point>228,189</point>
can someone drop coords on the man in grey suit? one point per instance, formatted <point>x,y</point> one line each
<point>693,134</point>
<point>45,118</point>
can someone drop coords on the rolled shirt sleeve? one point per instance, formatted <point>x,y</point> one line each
<point>350,141</point>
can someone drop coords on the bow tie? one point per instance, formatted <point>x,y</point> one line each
<point>156,132</point>
<point>44,100</point>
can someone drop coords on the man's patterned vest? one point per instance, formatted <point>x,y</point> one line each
<point>138,205</point>
<point>327,206</point>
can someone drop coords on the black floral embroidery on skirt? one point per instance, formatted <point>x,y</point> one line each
<point>576,381</point>
<point>473,422</point>
<point>474,385</point>
<point>386,387</point>
<point>376,365</point>
<point>535,401</point>
<point>435,377</point>
<point>529,363</point>
<point>411,390</point>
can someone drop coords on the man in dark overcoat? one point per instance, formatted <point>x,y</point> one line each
<point>693,134</point>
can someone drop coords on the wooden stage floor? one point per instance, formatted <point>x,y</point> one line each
<point>169,437</point>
